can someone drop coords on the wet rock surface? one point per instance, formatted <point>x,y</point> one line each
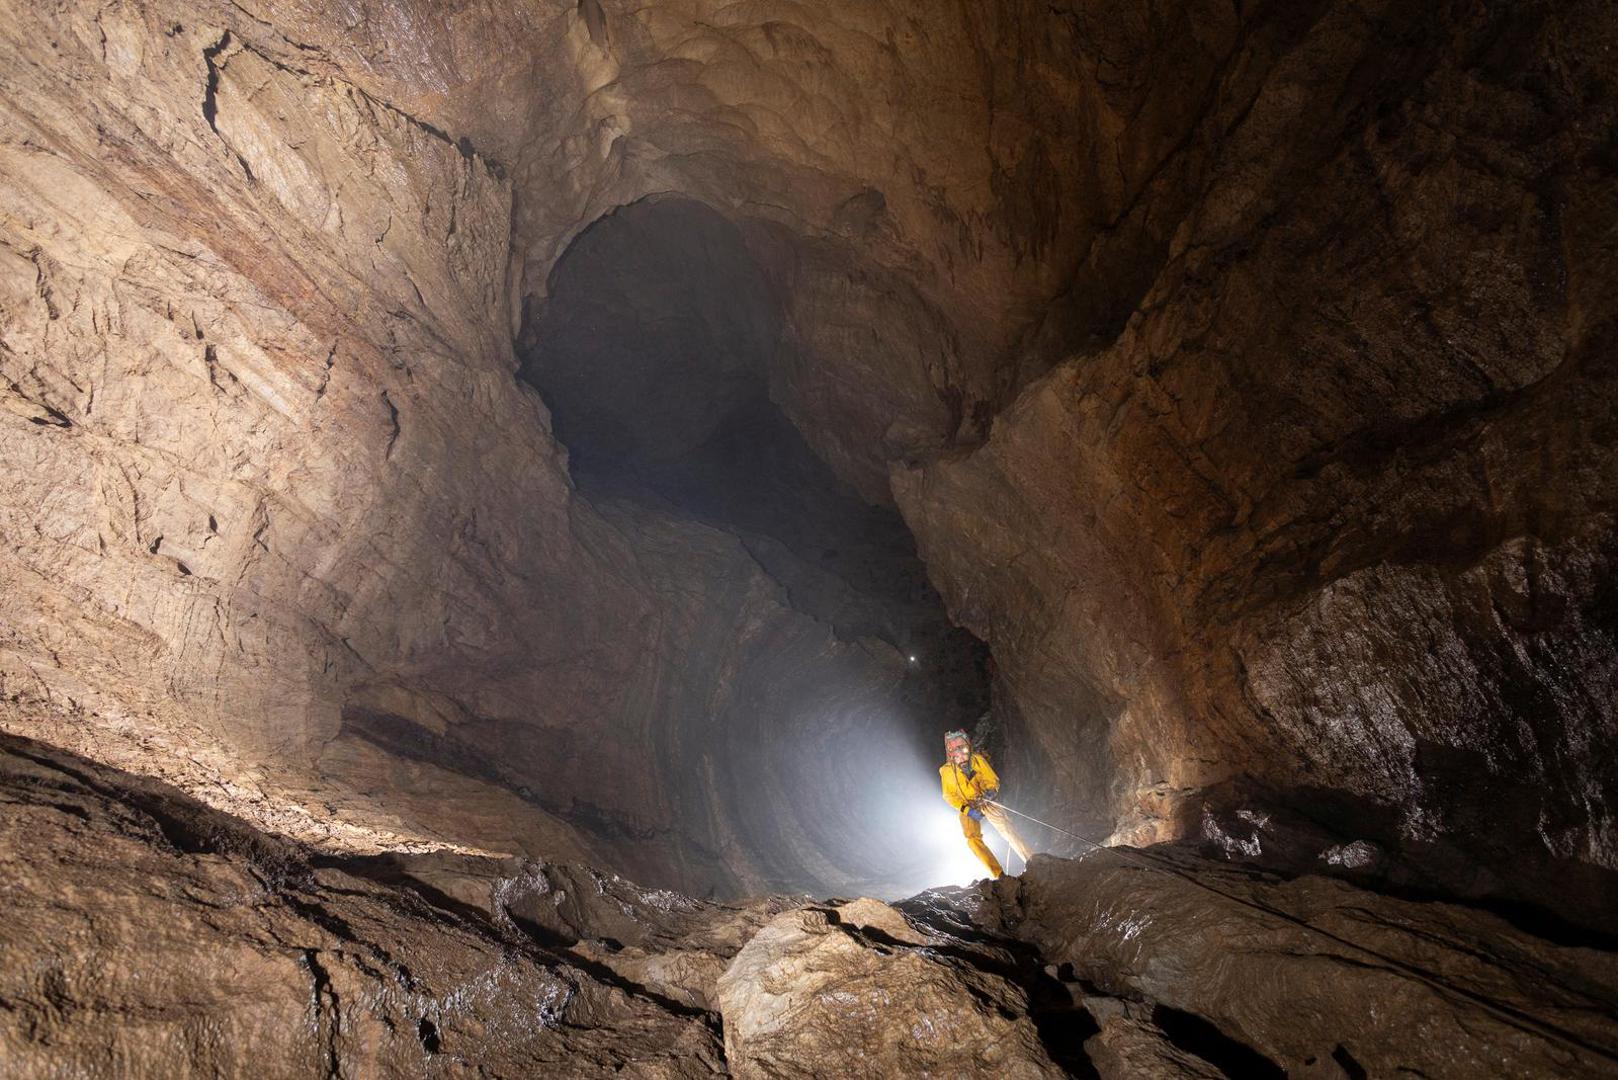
<point>1130,1046</point>
<point>148,935</point>
<point>1333,508</point>
<point>1312,976</point>
<point>1303,832</point>
<point>1241,374</point>
<point>854,989</point>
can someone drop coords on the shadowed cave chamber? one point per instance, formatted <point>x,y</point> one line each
<point>500,501</point>
<point>654,350</point>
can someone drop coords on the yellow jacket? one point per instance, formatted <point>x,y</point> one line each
<point>960,789</point>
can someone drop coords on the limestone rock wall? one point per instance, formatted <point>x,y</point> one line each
<point>149,935</point>
<point>1242,373</point>
<point>280,523</point>
<point>1335,509</point>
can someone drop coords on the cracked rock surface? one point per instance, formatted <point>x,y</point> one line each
<point>1315,976</point>
<point>1241,374</point>
<point>485,454</point>
<point>282,527</point>
<point>853,988</point>
<point>1333,509</point>
<point>149,935</point>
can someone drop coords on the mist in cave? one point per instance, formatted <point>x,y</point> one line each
<point>653,350</point>
<point>502,504</point>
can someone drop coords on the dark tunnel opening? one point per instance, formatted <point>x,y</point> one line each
<point>653,350</point>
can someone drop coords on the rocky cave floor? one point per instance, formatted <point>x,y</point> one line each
<point>430,431</point>
<point>146,930</point>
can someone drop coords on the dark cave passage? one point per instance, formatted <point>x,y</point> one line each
<point>501,502</point>
<point>654,351</point>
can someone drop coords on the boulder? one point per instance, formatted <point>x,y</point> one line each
<point>854,989</point>
<point>1312,973</point>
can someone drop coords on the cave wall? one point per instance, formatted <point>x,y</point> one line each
<point>244,305</point>
<point>1241,371</point>
<point>1335,510</point>
<point>284,528</point>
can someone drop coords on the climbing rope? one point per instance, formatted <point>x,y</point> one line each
<point>1048,825</point>
<point>1505,1013</point>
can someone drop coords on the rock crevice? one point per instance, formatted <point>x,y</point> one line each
<point>208,940</point>
<point>465,444</point>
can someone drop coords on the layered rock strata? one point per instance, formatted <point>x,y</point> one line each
<point>1315,976</point>
<point>149,935</point>
<point>1242,374</point>
<point>282,527</point>
<point>1334,510</point>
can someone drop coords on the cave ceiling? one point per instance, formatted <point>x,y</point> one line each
<point>634,433</point>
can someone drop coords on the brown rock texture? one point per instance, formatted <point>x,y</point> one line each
<point>1334,510</point>
<point>147,935</point>
<point>480,450</point>
<point>150,935</point>
<point>1129,1047</point>
<point>855,989</point>
<point>1241,373</point>
<point>281,526</point>
<point>1312,976</point>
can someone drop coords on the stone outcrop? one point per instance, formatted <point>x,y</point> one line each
<point>1312,976</point>
<point>147,934</point>
<point>853,988</point>
<point>1241,373</point>
<point>1130,1045</point>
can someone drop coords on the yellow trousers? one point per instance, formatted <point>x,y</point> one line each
<point>1002,824</point>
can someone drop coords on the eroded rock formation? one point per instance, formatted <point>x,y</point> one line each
<point>151,936</point>
<point>283,528</point>
<point>1277,966</point>
<point>148,934</point>
<point>1242,374</point>
<point>466,444</point>
<point>855,988</point>
<point>1334,509</point>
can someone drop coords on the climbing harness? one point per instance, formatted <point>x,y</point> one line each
<point>1505,1013</point>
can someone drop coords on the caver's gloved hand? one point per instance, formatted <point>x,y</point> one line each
<point>974,813</point>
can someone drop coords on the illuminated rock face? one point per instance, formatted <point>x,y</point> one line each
<point>1333,512</point>
<point>283,526</point>
<point>147,935</point>
<point>1240,377</point>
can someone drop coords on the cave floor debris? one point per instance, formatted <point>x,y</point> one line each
<point>145,929</point>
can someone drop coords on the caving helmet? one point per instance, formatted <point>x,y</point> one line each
<point>957,747</point>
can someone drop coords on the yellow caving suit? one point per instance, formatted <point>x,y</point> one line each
<point>959,791</point>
